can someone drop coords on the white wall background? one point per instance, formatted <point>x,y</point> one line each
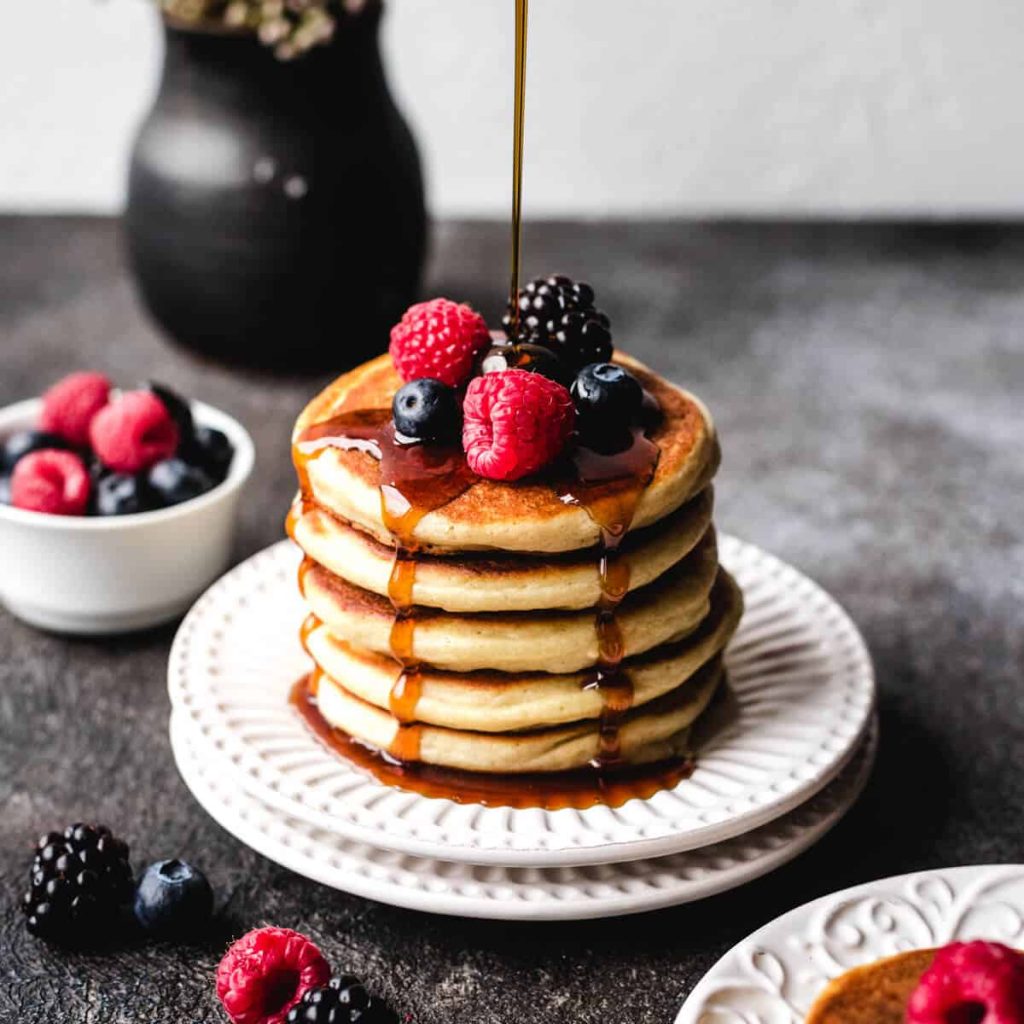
<point>709,107</point>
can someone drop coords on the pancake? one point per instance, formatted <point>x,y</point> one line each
<point>547,641</point>
<point>486,583</point>
<point>497,702</point>
<point>528,515</point>
<point>876,993</point>
<point>646,735</point>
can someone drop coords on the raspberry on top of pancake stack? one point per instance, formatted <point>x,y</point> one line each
<point>511,569</point>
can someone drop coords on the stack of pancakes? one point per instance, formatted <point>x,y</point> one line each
<point>501,666</point>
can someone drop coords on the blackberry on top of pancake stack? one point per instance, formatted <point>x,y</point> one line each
<point>511,570</point>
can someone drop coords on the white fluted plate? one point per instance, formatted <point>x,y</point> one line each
<point>799,670</point>
<point>775,975</point>
<point>509,893</point>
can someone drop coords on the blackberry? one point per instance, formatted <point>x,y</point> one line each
<point>534,358</point>
<point>179,409</point>
<point>79,884</point>
<point>342,1001</point>
<point>211,451</point>
<point>559,314</point>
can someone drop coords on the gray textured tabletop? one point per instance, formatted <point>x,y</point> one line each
<point>867,382</point>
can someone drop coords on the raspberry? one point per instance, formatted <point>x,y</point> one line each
<point>134,432</point>
<point>515,423</point>
<point>438,339</point>
<point>266,972</point>
<point>979,982</point>
<point>69,406</point>
<point>51,481</point>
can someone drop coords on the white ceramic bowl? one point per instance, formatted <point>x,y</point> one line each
<point>95,576</point>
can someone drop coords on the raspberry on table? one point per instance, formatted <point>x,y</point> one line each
<point>267,972</point>
<point>51,481</point>
<point>515,423</point>
<point>134,432</point>
<point>438,339</point>
<point>970,981</point>
<point>70,405</point>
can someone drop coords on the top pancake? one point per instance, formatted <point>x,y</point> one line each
<point>527,515</point>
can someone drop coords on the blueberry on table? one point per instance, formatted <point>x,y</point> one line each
<point>118,494</point>
<point>427,410</point>
<point>173,898</point>
<point>608,398</point>
<point>174,481</point>
<point>180,410</point>
<point>17,446</point>
<point>210,450</point>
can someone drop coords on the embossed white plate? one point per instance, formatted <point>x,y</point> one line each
<point>774,975</point>
<point>529,893</point>
<point>799,670</point>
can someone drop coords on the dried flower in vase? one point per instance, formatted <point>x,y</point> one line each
<point>289,27</point>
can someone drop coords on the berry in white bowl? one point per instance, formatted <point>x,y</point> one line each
<point>124,531</point>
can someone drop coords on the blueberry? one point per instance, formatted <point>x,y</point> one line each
<point>17,446</point>
<point>211,451</point>
<point>607,398</point>
<point>427,410</point>
<point>174,481</point>
<point>173,898</point>
<point>5,490</point>
<point>118,494</point>
<point>180,410</point>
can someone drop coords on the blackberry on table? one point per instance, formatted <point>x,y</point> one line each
<point>559,314</point>
<point>343,1000</point>
<point>80,881</point>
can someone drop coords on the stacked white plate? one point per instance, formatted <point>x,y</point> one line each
<point>774,780</point>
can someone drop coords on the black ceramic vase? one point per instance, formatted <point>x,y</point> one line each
<point>275,209</point>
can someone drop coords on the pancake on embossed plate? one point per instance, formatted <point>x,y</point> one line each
<point>510,567</point>
<point>962,983</point>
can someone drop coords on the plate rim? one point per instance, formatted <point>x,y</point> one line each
<point>485,908</point>
<point>539,855</point>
